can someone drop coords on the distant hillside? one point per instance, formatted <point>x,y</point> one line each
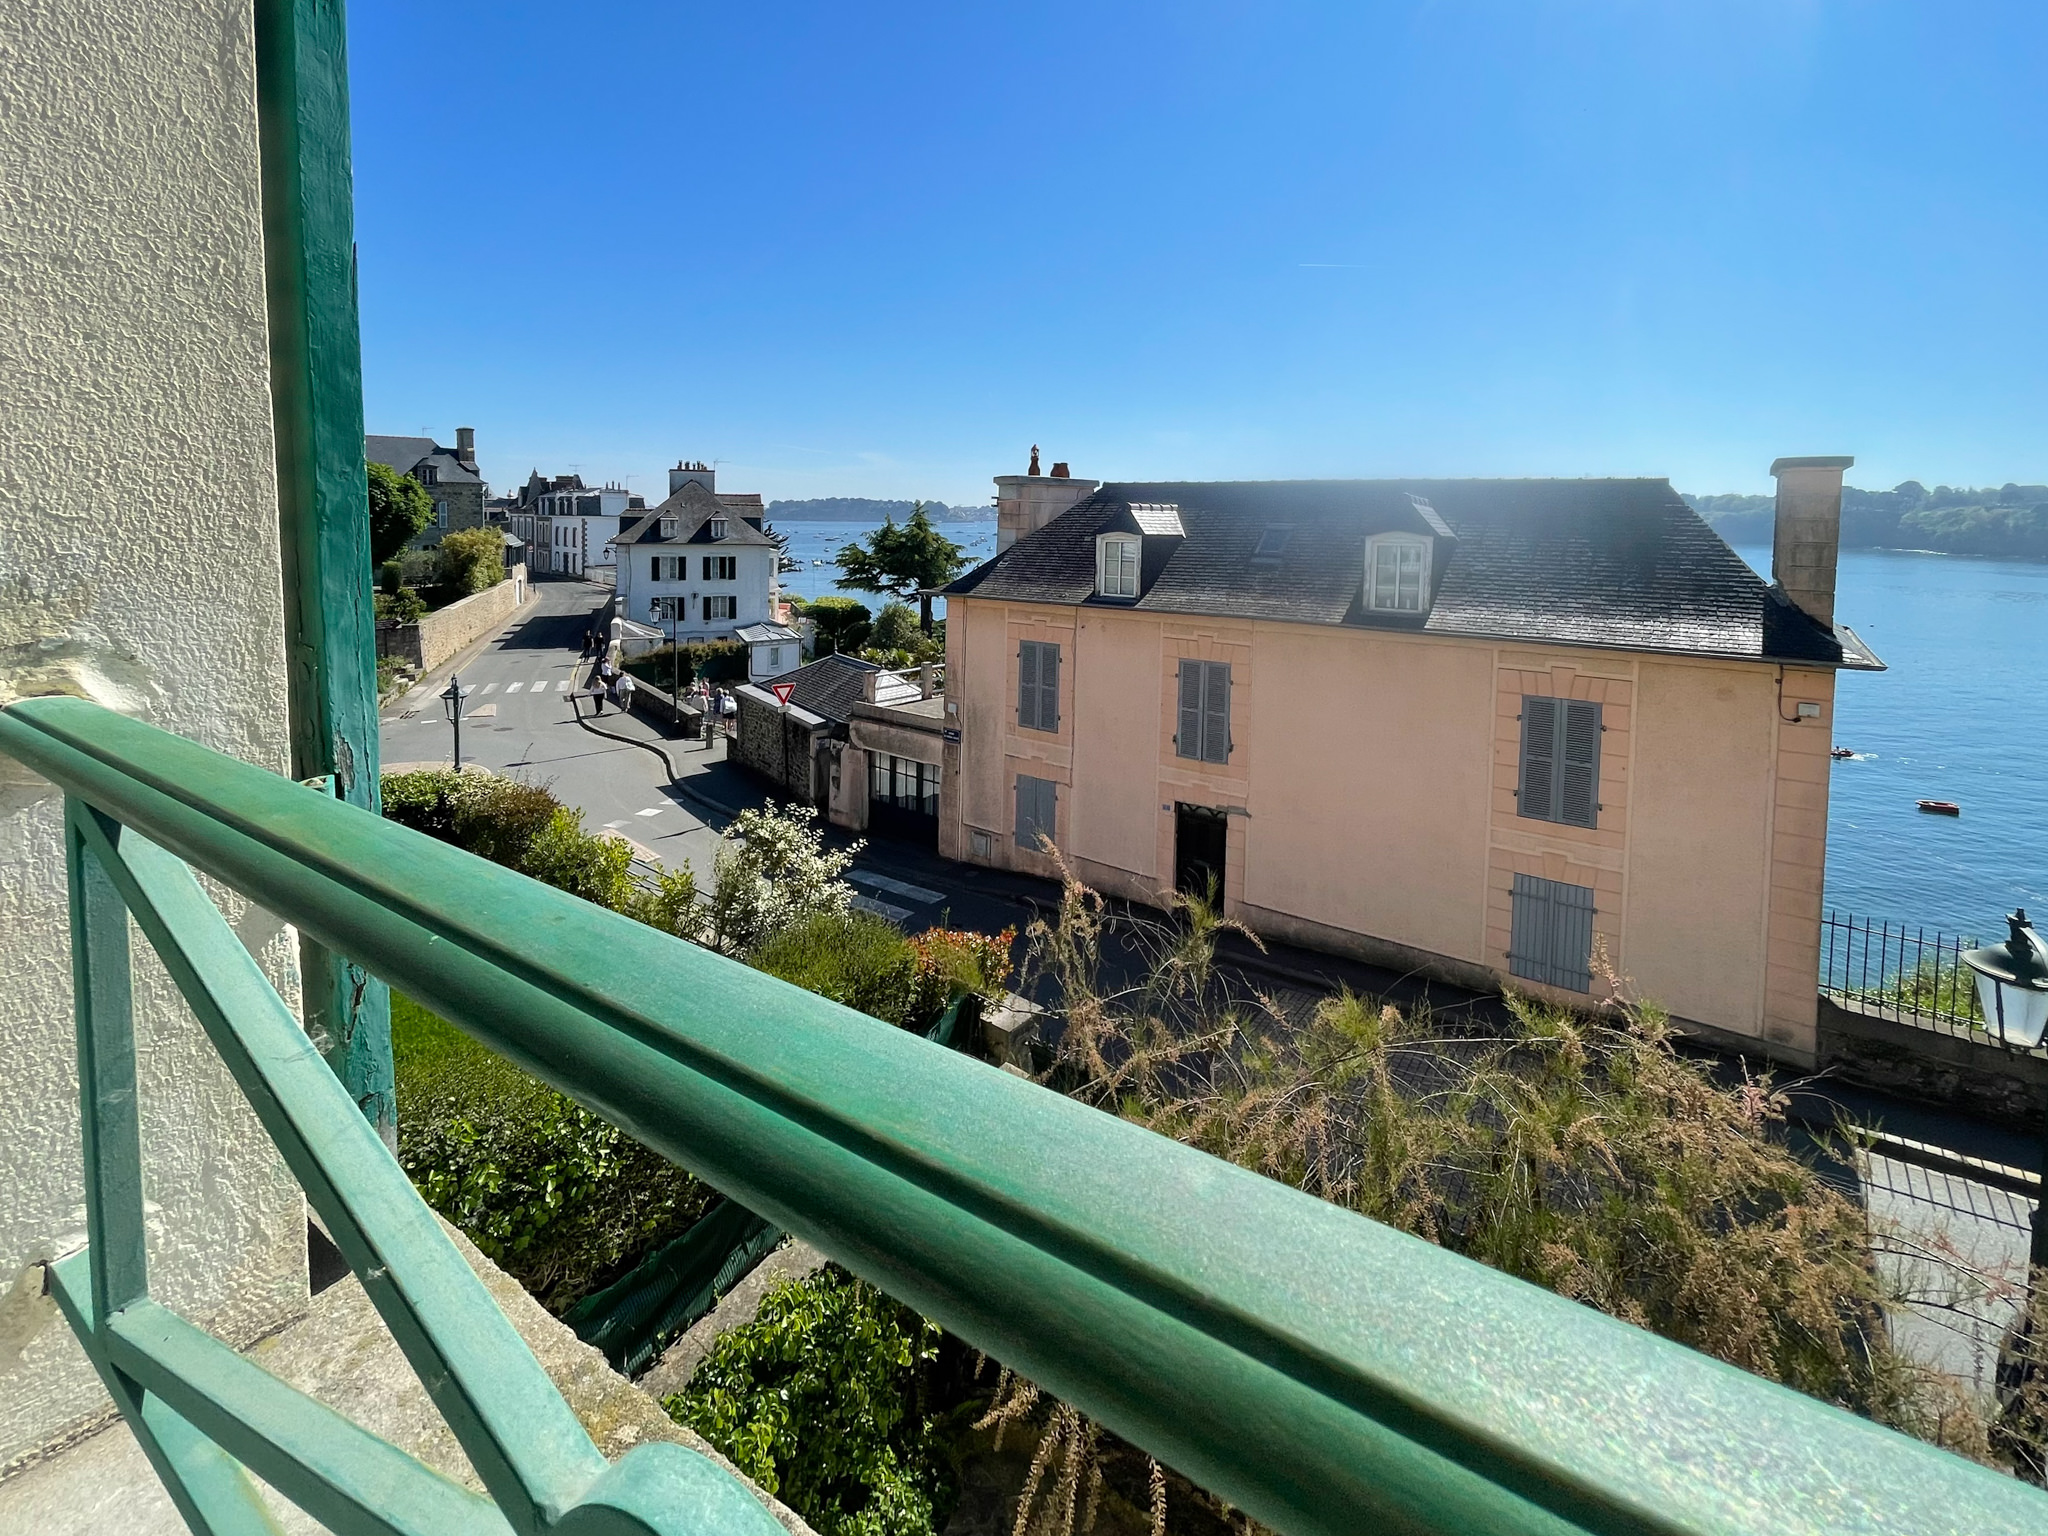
<point>858,509</point>
<point>2011,520</point>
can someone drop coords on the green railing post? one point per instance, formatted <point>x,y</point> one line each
<point>316,388</point>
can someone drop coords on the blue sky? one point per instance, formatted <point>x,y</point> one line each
<point>881,250</point>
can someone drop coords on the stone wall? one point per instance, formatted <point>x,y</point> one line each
<point>134,353</point>
<point>1950,1070</point>
<point>776,746</point>
<point>445,632</point>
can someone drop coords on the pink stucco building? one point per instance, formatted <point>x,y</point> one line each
<point>1487,729</point>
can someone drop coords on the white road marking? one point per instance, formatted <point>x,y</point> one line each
<point>881,908</point>
<point>901,888</point>
<point>490,687</point>
<point>613,826</point>
<point>514,687</point>
<point>562,686</point>
<point>541,686</point>
<point>652,810</point>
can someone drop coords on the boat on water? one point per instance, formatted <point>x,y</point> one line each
<point>1941,807</point>
<point>1842,752</point>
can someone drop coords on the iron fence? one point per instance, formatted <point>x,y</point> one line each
<point>1899,972</point>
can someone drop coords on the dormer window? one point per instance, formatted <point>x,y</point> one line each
<point>668,527</point>
<point>1397,573</point>
<point>1116,565</point>
<point>718,527</point>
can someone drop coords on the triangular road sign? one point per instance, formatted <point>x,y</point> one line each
<point>782,691</point>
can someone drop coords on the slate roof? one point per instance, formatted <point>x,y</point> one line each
<point>1620,564</point>
<point>830,686</point>
<point>404,454</point>
<point>693,507</point>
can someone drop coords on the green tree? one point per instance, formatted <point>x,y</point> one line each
<point>472,560</point>
<point>400,509</point>
<point>903,562</point>
<point>841,624</point>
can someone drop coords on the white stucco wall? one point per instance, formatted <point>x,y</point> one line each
<point>139,557</point>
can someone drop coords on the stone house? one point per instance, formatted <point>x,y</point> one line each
<point>1501,732</point>
<point>450,476</point>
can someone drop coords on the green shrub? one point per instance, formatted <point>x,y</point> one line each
<point>841,624</point>
<point>401,607</point>
<point>472,560</point>
<point>716,661</point>
<point>852,957</point>
<point>671,905</point>
<point>521,826</point>
<point>896,627</point>
<point>389,669</point>
<point>562,1201</point>
<point>817,1401</point>
<point>390,578</point>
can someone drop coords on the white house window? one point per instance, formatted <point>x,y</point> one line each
<point>1116,566</point>
<point>774,655</point>
<point>721,567</point>
<point>721,608</point>
<point>668,527</point>
<point>1396,574</point>
<point>718,527</point>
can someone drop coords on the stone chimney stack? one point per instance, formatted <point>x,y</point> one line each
<point>1807,535</point>
<point>465,445</point>
<point>1026,503</point>
<point>687,470</point>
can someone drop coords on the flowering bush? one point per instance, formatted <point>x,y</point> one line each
<point>772,870</point>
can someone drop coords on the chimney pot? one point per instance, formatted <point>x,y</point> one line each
<point>1059,472</point>
<point>1034,460</point>
<point>1806,533</point>
<point>465,444</point>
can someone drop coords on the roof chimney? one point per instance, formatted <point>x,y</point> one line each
<point>465,445</point>
<point>1807,534</point>
<point>1026,503</point>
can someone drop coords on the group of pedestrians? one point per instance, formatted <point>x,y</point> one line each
<point>608,684</point>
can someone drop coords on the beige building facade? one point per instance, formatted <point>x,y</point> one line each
<point>1368,799</point>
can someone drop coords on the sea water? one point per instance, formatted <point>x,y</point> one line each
<point>1961,714</point>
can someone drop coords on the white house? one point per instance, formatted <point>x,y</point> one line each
<point>568,527</point>
<point>698,567</point>
<point>772,649</point>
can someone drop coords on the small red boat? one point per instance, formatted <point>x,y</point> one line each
<point>1941,807</point>
<point>1840,752</point>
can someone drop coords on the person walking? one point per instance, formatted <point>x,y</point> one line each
<point>624,697</point>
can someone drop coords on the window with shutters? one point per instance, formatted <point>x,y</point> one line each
<point>721,608</point>
<point>1551,937</point>
<point>1204,732</point>
<point>1038,685</point>
<point>721,567</point>
<point>1036,800</point>
<point>1560,761</point>
<point>1116,566</point>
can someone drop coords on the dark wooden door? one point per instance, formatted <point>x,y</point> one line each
<point>1199,835</point>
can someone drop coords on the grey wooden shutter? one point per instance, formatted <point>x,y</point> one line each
<point>1189,742</point>
<point>1551,936</point>
<point>1538,794</point>
<point>1216,712</point>
<point>1027,687</point>
<point>1048,688</point>
<point>654,568</point>
<point>1035,805</point>
<point>1578,786</point>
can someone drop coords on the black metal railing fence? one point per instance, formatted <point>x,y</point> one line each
<point>1900,972</point>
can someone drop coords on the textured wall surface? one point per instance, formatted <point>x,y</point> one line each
<point>138,563</point>
<point>445,632</point>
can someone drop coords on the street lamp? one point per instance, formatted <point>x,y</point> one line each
<point>2012,989</point>
<point>451,703</point>
<point>675,655</point>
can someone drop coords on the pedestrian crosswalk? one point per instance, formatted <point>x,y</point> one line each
<point>900,888</point>
<point>514,687</point>
<point>894,914</point>
<point>490,687</point>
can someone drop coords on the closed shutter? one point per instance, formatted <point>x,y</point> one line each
<point>1551,938</point>
<point>1578,797</point>
<point>1035,806</point>
<point>1216,712</point>
<point>1027,688</point>
<point>1189,742</point>
<point>1049,688</point>
<point>1538,795</point>
<point>654,568</point>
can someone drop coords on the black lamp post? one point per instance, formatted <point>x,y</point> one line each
<point>451,703</point>
<point>675,655</point>
<point>2012,989</point>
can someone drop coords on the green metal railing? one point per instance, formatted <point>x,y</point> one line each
<point>1322,1372</point>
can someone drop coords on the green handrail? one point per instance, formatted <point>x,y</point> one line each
<point>1325,1373</point>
